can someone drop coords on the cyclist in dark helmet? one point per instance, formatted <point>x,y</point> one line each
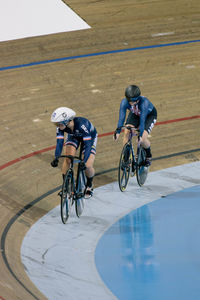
<point>132,91</point>
<point>142,116</point>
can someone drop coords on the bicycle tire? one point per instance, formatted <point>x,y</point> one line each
<point>141,170</point>
<point>124,168</point>
<point>67,196</point>
<point>80,201</point>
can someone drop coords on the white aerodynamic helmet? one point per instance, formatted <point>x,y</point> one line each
<point>62,115</point>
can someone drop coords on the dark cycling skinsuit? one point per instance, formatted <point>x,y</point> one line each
<point>142,115</point>
<point>84,132</point>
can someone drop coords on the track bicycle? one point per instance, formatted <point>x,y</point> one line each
<point>73,188</point>
<point>129,163</point>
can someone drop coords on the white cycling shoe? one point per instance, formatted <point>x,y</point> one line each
<point>88,192</point>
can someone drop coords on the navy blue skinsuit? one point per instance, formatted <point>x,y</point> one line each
<point>141,109</point>
<point>84,132</point>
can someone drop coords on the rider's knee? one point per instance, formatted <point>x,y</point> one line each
<point>89,166</point>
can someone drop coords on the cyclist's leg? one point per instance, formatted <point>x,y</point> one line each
<point>90,162</point>
<point>70,148</point>
<point>67,150</point>
<point>132,121</point>
<point>145,142</point>
<point>126,134</point>
<point>90,171</point>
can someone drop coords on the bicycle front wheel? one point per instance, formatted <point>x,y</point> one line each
<point>124,169</point>
<point>80,200</point>
<point>141,170</point>
<point>67,196</point>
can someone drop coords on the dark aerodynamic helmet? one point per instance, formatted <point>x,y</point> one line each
<point>132,92</point>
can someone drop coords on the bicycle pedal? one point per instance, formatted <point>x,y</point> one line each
<point>88,193</point>
<point>79,195</point>
<point>147,162</point>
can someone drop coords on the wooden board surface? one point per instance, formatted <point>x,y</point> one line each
<point>93,86</point>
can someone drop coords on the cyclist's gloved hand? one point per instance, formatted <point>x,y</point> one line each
<point>116,134</point>
<point>82,165</point>
<point>54,163</point>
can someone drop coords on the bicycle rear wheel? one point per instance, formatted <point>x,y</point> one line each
<point>124,169</point>
<point>67,196</point>
<point>141,170</point>
<point>80,200</point>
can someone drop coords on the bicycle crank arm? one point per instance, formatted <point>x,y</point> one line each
<point>78,196</point>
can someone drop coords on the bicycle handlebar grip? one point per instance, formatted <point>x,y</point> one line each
<point>115,134</point>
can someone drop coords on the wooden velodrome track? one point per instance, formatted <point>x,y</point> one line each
<point>93,86</point>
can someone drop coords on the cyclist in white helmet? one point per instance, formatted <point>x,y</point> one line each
<point>78,130</point>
